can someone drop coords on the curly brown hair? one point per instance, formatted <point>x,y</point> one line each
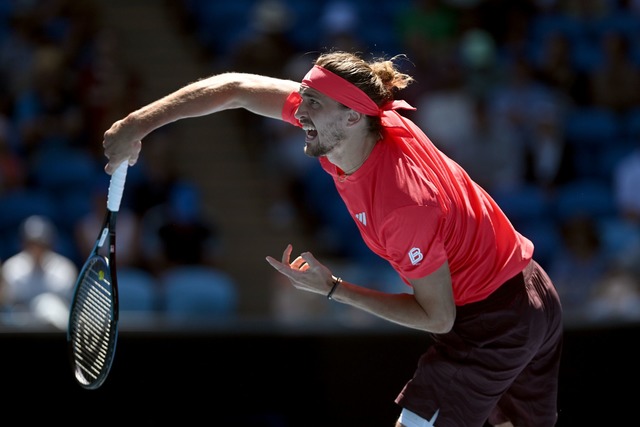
<point>379,79</point>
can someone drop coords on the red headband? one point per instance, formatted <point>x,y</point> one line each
<point>346,93</point>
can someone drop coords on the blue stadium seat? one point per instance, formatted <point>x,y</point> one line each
<point>545,24</point>
<point>588,197</point>
<point>619,237</point>
<point>523,205</point>
<point>610,156</point>
<point>65,170</point>
<point>138,290</point>
<point>589,132</point>
<point>18,205</point>
<point>585,57</point>
<point>624,22</point>
<point>220,23</point>
<point>592,126</point>
<point>546,239</point>
<point>198,292</point>
<point>631,124</point>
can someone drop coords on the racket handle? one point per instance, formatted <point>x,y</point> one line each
<point>116,187</point>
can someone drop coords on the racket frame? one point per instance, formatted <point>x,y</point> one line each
<point>104,251</point>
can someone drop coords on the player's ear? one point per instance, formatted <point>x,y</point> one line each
<point>354,117</point>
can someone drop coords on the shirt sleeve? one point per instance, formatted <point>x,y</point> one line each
<point>413,240</point>
<point>289,109</point>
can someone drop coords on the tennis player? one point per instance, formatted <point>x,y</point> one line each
<point>493,313</point>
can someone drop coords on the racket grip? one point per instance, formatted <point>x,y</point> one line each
<point>116,187</point>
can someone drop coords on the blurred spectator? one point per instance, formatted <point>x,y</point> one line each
<point>509,24</point>
<point>623,232</point>
<point>521,99</point>
<point>47,112</point>
<point>286,165</point>
<point>493,153</point>
<point>107,86</point>
<point>626,185</point>
<point>549,162</point>
<point>633,6</point>
<point>177,232</point>
<point>615,83</point>
<point>428,27</point>
<point>265,47</point>
<point>536,112</point>
<point>616,299</point>
<point>17,51</point>
<point>339,26</point>
<point>428,34</point>
<point>554,66</point>
<point>435,109</point>
<point>128,234</point>
<point>13,173</point>
<point>480,62</point>
<point>150,181</point>
<point>579,264</point>
<point>586,10</point>
<point>38,282</point>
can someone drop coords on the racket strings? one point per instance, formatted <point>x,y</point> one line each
<point>93,331</point>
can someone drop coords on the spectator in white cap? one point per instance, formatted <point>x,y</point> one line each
<point>37,282</point>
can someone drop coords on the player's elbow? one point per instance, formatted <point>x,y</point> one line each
<point>435,324</point>
<point>441,321</point>
<point>441,325</point>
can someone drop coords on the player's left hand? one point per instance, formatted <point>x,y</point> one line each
<point>305,272</point>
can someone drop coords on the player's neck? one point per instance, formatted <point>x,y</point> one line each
<point>360,156</point>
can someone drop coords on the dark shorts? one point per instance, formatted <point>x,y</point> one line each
<point>500,362</point>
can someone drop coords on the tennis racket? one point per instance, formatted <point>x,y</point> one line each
<point>92,331</point>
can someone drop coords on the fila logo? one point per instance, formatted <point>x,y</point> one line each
<point>362,217</point>
<point>415,256</point>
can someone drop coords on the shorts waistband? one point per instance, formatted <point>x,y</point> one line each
<point>500,296</point>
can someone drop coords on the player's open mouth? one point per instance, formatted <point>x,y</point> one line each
<point>310,133</point>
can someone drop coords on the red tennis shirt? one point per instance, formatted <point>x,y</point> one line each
<point>417,208</point>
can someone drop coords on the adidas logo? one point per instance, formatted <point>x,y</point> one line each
<point>362,217</point>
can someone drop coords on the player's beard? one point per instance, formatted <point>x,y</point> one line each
<point>324,143</point>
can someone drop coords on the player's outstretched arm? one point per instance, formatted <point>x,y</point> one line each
<point>259,94</point>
